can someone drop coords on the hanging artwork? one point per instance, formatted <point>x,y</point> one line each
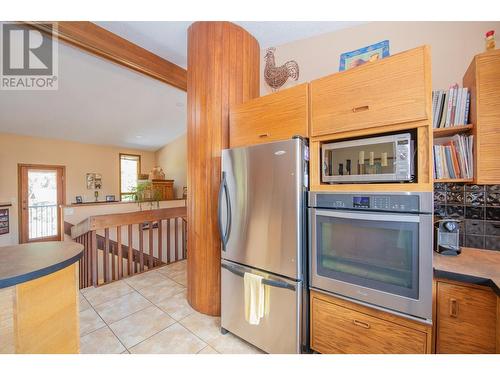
<point>363,55</point>
<point>94,181</point>
<point>276,76</point>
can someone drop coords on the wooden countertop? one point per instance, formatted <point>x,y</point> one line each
<point>473,266</point>
<point>21,263</point>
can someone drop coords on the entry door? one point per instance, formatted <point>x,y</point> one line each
<point>41,193</point>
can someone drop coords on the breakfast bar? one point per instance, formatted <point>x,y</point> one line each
<point>39,298</point>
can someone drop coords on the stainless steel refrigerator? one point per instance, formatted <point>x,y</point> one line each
<point>262,225</point>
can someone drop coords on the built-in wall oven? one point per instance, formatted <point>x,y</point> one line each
<point>375,248</point>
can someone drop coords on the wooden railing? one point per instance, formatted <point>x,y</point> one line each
<point>119,245</point>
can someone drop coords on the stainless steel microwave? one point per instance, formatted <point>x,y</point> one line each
<point>378,159</point>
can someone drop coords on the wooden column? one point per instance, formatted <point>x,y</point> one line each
<point>223,70</point>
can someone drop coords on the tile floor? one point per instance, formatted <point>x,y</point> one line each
<point>148,313</point>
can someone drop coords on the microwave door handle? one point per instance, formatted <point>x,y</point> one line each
<point>367,216</point>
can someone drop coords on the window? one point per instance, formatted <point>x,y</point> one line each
<point>130,167</point>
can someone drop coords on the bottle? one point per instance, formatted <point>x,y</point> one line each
<point>490,40</point>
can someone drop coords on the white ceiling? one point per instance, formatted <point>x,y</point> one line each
<point>169,39</point>
<point>97,102</point>
<point>100,102</point>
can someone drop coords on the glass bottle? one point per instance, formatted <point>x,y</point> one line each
<point>490,40</point>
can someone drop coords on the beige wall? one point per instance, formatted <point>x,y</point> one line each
<point>173,159</point>
<point>453,45</point>
<point>78,158</point>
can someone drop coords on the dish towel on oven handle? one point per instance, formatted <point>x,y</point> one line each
<point>254,298</point>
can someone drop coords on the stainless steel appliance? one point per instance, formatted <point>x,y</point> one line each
<point>262,214</point>
<point>375,248</point>
<point>447,235</point>
<point>378,159</point>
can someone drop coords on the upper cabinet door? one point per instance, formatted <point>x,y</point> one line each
<point>270,118</point>
<point>394,90</point>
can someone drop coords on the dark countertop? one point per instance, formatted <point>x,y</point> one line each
<point>473,266</point>
<point>21,263</point>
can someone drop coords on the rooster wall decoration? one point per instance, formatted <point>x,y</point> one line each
<point>276,76</point>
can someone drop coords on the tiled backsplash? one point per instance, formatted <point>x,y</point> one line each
<point>478,208</point>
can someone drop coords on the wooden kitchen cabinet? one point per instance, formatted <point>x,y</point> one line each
<point>164,188</point>
<point>339,326</point>
<point>270,118</point>
<point>483,80</point>
<point>466,319</point>
<point>394,90</point>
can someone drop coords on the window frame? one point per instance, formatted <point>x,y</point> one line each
<point>122,193</point>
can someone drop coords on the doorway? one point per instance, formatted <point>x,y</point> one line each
<point>41,194</point>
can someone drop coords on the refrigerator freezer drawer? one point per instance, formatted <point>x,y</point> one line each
<point>280,329</point>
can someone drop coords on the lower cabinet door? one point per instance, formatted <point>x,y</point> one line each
<point>337,329</point>
<point>466,320</point>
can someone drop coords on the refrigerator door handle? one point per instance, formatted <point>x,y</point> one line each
<point>224,232</point>
<point>269,282</point>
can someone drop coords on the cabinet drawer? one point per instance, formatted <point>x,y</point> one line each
<point>336,329</point>
<point>466,319</point>
<point>270,118</point>
<point>390,91</point>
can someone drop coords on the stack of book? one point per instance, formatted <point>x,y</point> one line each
<point>450,107</point>
<point>453,157</point>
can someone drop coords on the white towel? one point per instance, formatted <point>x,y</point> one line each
<point>254,298</point>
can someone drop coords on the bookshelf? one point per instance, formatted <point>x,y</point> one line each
<point>451,130</point>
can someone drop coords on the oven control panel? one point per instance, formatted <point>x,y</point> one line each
<point>363,201</point>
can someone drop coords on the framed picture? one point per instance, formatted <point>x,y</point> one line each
<point>94,181</point>
<point>79,199</point>
<point>110,198</point>
<point>363,55</point>
<point>4,221</point>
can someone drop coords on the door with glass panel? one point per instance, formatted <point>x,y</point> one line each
<point>41,193</point>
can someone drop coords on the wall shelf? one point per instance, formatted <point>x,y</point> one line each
<point>454,180</point>
<point>451,130</point>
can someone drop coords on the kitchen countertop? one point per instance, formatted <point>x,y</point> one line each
<point>21,263</point>
<point>473,266</point>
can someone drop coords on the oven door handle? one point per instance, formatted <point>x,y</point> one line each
<point>369,216</point>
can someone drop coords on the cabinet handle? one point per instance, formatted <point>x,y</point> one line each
<point>264,135</point>
<point>361,324</point>
<point>453,308</point>
<point>360,109</point>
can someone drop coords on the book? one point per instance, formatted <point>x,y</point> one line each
<point>443,109</point>
<point>435,99</point>
<point>467,106</point>
<point>453,157</point>
<point>453,106</point>
<point>450,107</point>
<point>457,107</point>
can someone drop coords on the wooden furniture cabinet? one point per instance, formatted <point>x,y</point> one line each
<point>466,319</point>
<point>483,80</point>
<point>273,117</point>
<point>340,326</point>
<point>165,189</point>
<point>394,90</point>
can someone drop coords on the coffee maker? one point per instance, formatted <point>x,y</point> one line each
<point>447,237</point>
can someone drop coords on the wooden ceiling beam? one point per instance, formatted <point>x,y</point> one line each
<point>101,42</point>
